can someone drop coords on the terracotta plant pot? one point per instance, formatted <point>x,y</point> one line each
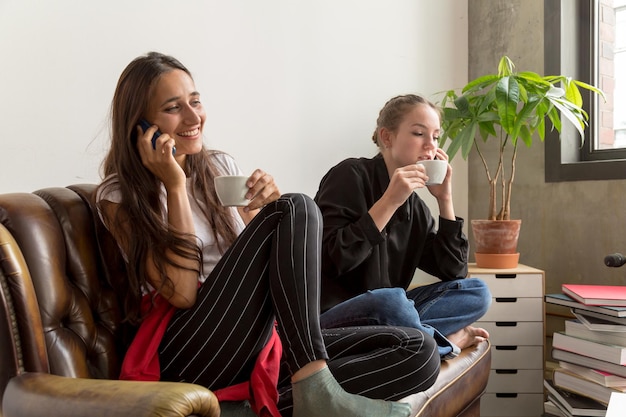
<point>496,243</point>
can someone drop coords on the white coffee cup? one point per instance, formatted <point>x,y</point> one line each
<point>436,169</point>
<point>231,190</point>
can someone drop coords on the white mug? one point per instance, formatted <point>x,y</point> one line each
<point>231,190</point>
<point>436,169</point>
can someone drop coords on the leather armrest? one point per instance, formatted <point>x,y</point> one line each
<point>461,382</point>
<point>41,394</point>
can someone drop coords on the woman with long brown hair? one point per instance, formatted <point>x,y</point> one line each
<point>219,292</point>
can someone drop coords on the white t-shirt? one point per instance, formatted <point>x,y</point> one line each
<point>210,251</point>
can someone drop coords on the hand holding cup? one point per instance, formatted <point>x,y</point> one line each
<point>436,169</point>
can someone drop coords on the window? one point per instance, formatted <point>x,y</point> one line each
<point>586,39</point>
<point>619,55</point>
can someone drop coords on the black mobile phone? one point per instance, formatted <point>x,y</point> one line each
<point>145,125</point>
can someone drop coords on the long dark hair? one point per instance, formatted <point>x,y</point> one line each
<point>141,217</point>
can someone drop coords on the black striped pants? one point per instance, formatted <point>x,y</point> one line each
<point>272,273</point>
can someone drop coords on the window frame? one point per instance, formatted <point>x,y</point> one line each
<point>565,158</point>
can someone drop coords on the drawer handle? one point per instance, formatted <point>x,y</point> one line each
<point>506,395</point>
<point>506,347</point>
<point>506,371</point>
<point>506,324</point>
<point>506,276</point>
<point>506,299</point>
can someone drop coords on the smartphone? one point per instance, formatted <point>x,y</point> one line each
<point>145,125</point>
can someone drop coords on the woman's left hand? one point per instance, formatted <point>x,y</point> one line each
<point>262,190</point>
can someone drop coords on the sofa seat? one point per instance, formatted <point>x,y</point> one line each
<point>62,334</point>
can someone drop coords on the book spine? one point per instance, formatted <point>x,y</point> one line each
<point>609,353</point>
<point>577,329</point>
<point>570,382</point>
<point>575,358</point>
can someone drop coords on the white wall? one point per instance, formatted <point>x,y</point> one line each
<point>290,86</point>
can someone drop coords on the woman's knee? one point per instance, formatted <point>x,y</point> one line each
<point>480,295</point>
<point>298,209</point>
<point>392,307</point>
<point>426,362</point>
<point>483,292</point>
<point>300,200</point>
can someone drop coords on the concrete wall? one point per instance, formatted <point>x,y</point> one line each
<point>567,227</point>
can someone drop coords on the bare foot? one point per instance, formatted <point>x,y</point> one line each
<point>469,336</point>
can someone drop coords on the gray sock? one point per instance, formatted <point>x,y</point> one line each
<point>321,395</point>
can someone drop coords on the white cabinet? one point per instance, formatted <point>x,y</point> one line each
<point>515,322</point>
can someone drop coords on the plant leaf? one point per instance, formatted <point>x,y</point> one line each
<point>533,78</point>
<point>487,129</point>
<point>505,66</point>
<point>541,128</point>
<point>526,135</point>
<point>469,141</point>
<point>586,86</point>
<point>578,123</point>
<point>462,105</point>
<point>555,118</point>
<point>573,94</point>
<point>507,97</point>
<point>480,83</point>
<point>463,136</point>
<point>526,119</point>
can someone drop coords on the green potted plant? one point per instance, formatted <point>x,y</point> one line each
<point>506,107</point>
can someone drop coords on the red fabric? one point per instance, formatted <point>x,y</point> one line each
<point>141,362</point>
<point>261,390</point>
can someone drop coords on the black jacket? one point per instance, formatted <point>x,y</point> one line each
<point>357,257</point>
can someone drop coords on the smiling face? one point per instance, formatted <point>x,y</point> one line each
<point>415,139</point>
<point>175,107</point>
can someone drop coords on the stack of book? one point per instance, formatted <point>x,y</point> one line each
<point>591,351</point>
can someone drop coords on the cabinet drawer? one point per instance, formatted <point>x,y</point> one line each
<point>507,404</point>
<point>527,381</point>
<point>515,309</point>
<point>513,285</point>
<point>517,357</point>
<point>529,333</point>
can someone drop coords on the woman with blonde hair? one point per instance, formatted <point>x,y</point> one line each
<point>379,233</point>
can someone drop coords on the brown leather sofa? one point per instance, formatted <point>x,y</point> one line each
<point>62,333</point>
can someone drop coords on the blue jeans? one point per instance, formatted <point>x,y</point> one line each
<point>438,309</point>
